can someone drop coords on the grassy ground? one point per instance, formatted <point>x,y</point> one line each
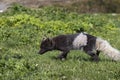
<point>21,31</point>
<point>23,63</point>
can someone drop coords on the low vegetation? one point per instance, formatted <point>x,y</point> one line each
<point>22,29</point>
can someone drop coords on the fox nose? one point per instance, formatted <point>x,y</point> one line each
<point>41,52</point>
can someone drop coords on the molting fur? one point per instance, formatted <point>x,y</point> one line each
<point>79,41</point>
<point>90,45</point>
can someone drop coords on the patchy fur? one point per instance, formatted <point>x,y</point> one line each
<point>90,45</point>
<point>79,41</point>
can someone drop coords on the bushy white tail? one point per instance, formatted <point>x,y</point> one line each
<point>107,49</point>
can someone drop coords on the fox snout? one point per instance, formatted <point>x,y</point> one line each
<point>46,45</point>
<point>42,51</point>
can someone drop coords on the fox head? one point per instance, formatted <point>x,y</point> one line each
<point>46,45</point>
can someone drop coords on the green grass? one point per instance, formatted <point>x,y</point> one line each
<point>21,34</point>
<point>23,63</point>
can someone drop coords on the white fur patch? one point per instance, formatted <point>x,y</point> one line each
<point>79,41</point>
<point>107,49</point>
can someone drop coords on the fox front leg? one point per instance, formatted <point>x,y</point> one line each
<point>63,55</point>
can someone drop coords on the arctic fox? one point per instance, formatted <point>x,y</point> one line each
<point>89,44</point>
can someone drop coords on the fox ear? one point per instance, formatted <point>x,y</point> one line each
<point>50,40</point>
<point>44,38</point>
<point>52,43</point>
